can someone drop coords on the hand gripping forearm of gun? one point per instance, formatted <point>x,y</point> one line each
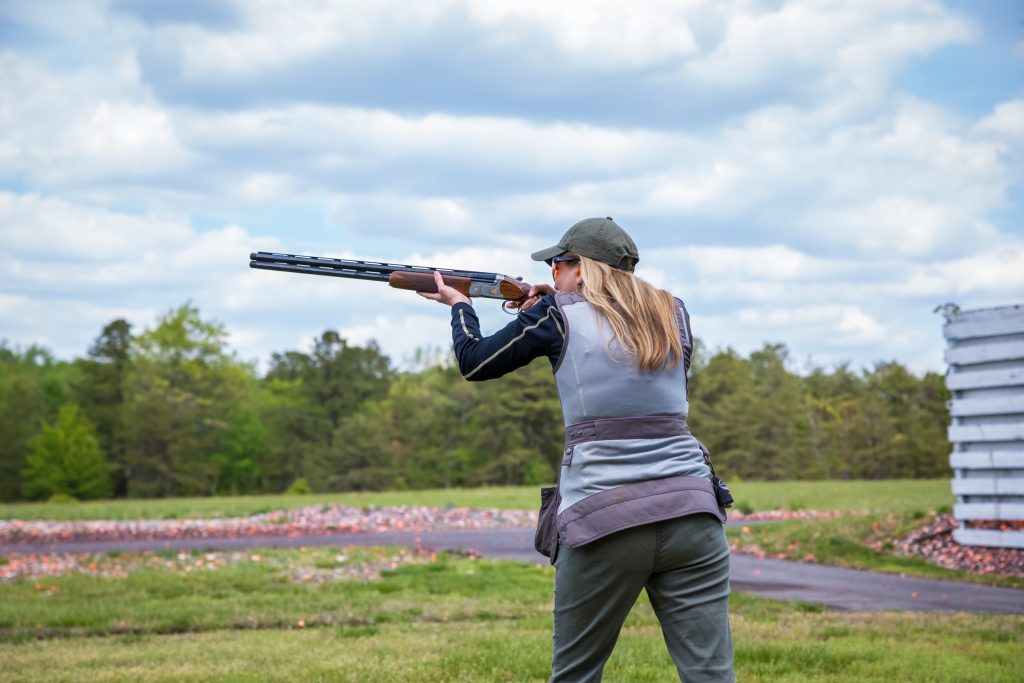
<point>513,291</point>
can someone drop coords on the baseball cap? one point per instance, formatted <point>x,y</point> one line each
<point>600,239</point>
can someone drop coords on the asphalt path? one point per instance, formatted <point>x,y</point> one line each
<point>835,587</point>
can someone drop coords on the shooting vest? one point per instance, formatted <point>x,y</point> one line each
<point>629,457</point>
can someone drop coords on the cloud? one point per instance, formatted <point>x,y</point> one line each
<point>66,325</point>
<point>656,62</point>
<point>997,272</point>
<point>85,127</point>
<point>602,34</point>
<point>1005,123</point>
<point>92,265</point>
<point>761,154</point>
<point>911,178</point>
<point>850,326</point>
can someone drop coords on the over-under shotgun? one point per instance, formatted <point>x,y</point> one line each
<point>418,278</point>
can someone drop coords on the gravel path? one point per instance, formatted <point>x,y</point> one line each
<point>846,589</point>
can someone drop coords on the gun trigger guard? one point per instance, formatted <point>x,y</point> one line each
<point>510,307</point>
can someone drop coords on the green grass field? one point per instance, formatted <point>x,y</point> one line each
<point>879,496</point>
<point>450,619</point>
<point>317,614</point>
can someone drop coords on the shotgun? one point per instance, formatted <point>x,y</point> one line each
<point>417,278</point>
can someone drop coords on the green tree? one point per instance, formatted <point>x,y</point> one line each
<point>33,386</point>
<point>318,393</point>
<point>516,428</point>
<point>928,430</point>
<point>242,453</point>
<point>182,387</point>
<point>410,438</point>
<point>66,457</point>
<point>828,397</point>
<point>781,439</point>
<point>100,391</point>
<point>722,408</point>
<point>337,376</point>
<point>295,442</point>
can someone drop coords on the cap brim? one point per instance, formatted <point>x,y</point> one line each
<point>545,254</point>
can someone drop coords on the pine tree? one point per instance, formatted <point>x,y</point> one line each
<point>66,457</point>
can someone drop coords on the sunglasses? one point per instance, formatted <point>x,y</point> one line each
<point>561,259</point>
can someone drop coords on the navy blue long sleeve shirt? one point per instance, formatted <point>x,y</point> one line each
<point>536,332</point>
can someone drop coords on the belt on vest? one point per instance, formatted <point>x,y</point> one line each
<point>641,427</point>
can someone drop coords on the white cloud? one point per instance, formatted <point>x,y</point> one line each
<point>34,226</point>
<point>736,43</point>
<point>1005,123</point>
<point>261,188</point>
<point>276,33</point>
<point>81,127</point>
<point>841,325</point>
<point>821,208</point>
<point>339,138</point>
<point>67,324</point>
<point>835,44</point>
<point>599,32</point>
<point>92,265</point>
<point>776,262</point>
<point>603,34</point>
<point>915,179</point>
<point>998,272</point>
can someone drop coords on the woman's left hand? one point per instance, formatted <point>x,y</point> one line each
<point>445,294</point>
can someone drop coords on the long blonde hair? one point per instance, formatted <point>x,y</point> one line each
<point>642,317</point>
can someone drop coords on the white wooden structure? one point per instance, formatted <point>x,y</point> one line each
<point>985,354</point>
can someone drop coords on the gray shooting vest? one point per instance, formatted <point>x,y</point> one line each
<point>629,457</point>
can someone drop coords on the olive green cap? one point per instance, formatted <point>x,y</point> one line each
<point>600,239</point>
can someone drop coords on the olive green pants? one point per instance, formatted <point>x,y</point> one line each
<point>684,565</point>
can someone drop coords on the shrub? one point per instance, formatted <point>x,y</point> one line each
<point>299,487</point>
<point>61,498</point>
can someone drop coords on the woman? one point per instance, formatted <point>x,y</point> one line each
<point>637,509</point>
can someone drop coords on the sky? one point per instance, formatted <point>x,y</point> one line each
<point>816,173</point>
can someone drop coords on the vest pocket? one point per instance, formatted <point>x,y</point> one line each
<point>545,538</point>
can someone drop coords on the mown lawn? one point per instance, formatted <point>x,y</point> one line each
<point>441,619</point>
<point>879,496</point>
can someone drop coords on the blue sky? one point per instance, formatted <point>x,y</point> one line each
<point>817,173</point>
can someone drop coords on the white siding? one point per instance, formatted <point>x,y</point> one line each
<point>986,380</point>
<point>998,539</point>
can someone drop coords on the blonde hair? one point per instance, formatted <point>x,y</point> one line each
<point>642,317</point>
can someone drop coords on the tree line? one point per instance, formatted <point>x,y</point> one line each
<point>172,411</point>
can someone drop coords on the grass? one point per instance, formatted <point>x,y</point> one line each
<point>890,495</point>
<point>503,497</point>
<point>452,619</point>
<point>879,496</point>
<point>265,594</point>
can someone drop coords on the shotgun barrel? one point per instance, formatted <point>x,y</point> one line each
<point>402,276</point>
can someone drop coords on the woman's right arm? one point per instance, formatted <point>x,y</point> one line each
<point>538,331</point>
